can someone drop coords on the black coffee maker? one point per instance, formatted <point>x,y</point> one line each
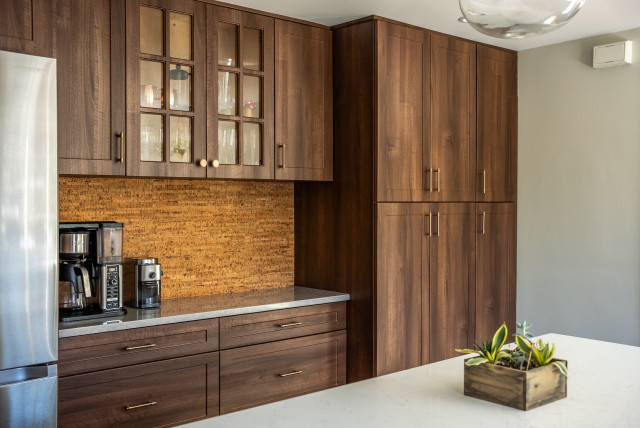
<point>90,270</point>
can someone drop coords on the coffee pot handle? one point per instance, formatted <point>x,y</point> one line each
<point>86,283</point>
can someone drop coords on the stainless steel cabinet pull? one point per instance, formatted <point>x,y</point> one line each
<point>120,135</point>
<point>438,223</point>
<point>151,403</point>
<point>438,180</point>
<point>290,325</point>
<point>297,372</point>
<point>131,348</point>
<point>483,214</point>
<point>428,218</point>
<point>284,146</point>
<point>484,181</point>
<point>430,172</point>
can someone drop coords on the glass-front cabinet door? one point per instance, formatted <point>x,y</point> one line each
<point>240,94</point>
<point>166,81</point>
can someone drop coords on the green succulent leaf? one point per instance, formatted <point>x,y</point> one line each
<point>560,365</point>
<point>499,338</point>
<point>467,351</point>
<point>476,361</point>
<point>523,344</point>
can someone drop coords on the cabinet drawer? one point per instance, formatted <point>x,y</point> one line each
<point>263,327</point>
<point>82,354</point>
<point>274,371</point>
<point>146,395</point>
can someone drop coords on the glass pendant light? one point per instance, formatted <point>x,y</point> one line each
<point>515,19</point>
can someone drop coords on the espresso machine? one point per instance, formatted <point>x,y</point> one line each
<point>90,270</point>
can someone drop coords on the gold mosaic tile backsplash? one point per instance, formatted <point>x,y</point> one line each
<point>209,236</point>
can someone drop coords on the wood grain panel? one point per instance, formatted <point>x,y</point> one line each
<point>251,375</point>
<point>403,112</point>
<point>189,391</point>
<point>399,287</point>
<point>335,221</point>
<point>25,27</point>
<point>453,119</point>
<point>209,236</point>
<point>452,277</point>
<point>91,101</point>
<point>82,354</point>
<point>303,103</point>
<point>495,268</point>
<point>252,329</point>
<point>497,105</point>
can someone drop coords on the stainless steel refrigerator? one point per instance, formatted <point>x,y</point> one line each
<point>28,241</point>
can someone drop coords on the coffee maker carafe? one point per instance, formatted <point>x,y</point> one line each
<point>75,282</point>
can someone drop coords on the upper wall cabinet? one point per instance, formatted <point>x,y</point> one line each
<point>91,86</point>
<point>497,125</point>
<point>166,88</point>
<point>304,102</point>
<point>26,27</point>
<point>240,69</point>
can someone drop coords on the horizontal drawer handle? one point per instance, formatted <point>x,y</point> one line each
<point>291,374</point>
<point>151,403</point>
<point>131,348</point>
<point>290,325</point>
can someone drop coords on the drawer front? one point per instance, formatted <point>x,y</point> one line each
<point>263,327</point>
<point>147,395</point>
<point>274,371</point>
<point>83,354</point>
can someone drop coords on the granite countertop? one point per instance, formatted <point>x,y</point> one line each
<point>204,307</point>
<point>602,391</point>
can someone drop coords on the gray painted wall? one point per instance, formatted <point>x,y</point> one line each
<point>579,192</point>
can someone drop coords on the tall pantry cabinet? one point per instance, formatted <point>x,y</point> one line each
<point>419,222</point>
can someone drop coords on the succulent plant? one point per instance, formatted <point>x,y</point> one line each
<point>489,352</point>
<point>539,353</point>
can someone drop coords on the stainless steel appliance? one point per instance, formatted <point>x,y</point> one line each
<point>28,241</point>
<point>142,283</point>
<point>94,248</point>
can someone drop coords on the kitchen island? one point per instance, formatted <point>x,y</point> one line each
<point>603,391</point>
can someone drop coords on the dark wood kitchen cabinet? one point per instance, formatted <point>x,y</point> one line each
<point>90,49</point>
<point>495,268</point>
<point>405,118</point>
<point>240,94</point>
<point>497,106</point>
<point>26,27</point>
<point>303,102</point>
<point>425,271</point>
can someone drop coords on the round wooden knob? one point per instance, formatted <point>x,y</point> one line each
<point>215,163</point>
<point>203,163</point>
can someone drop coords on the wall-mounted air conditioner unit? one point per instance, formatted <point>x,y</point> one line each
<point>612,54</point>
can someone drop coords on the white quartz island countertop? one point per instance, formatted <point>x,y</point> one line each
<point>603,391</point>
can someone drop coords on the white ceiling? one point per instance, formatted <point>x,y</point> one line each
<point>596,17</point>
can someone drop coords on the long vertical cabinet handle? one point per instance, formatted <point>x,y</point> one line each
<point>438,223</point>
<point>283,146</point>
<point>438,180</point>
<point>120,135</point>
<point>427,230</point>
<point>430,172</point>
<point>484,182</point>
<point>483,214</point>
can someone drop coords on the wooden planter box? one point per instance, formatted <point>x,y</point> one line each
<point>520,389</point>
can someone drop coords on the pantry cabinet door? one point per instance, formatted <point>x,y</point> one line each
<point>26,26</point>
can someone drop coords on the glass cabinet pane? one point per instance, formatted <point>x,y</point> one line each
<point>227,90</point>
<point>227,142</point>
<point>252,49</point>
<point>180,142</point>
<point>151,89</point>
<point>151,30</point>
<point>251,89</point>
<point>179,35</point>
<point>151,138</point>
<point>180,89</point>
<point>227,44</point>
<point>251,148</point>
